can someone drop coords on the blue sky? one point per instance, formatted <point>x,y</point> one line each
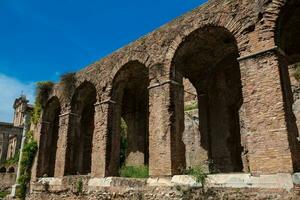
<point>42,39</point>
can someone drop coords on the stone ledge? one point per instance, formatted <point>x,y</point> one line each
<point>276,181</point>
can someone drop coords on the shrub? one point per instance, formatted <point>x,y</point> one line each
<point>68,81</point>
<point>198,172</point>
<point>79,187</point>
<point>43,90</point>
<point>42,94</point>
<point>134,171</point>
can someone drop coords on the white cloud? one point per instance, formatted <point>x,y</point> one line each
<point>10,89</point>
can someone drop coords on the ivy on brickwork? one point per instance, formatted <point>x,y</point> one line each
<point>42,94</point>
<point>28,154</point>
<point>68,81</point>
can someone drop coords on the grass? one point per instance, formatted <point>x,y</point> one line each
<point>198,172</point>
<point>134,171</point>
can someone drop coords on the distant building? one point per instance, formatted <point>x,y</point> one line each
<point>11,133</point>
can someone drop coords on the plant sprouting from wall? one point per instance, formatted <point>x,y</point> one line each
<point>297,72</point>
<point>43,90</point>
<point>68,81</point>
<point>198,172</point>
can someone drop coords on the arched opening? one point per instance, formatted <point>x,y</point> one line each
<point>2,170</point>
<point>49,137</point>
<point>207,98</point>
<point>287,38</point>
<point>128,119</point>
<point>11,170</point>
<point>79,150</point>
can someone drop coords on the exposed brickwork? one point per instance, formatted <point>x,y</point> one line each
<point>245,113</point>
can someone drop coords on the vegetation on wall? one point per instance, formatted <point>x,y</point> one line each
<point>13,160</point>
<point>42,94</point>
<point>79,187</point>
<point>198,172</point>
<point>28,154</point>
<point>3,194</point>
<point>68,81</point>
<point>297,72</point>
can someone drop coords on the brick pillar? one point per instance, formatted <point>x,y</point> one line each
<point>62,144</point>
<point>100,140</point>
<point>166,148</point>
<point>37,168</point>
<point>264,114</point>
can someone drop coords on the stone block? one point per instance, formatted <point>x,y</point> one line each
<point>185,180</point>
<point>296,178</point>
<point>275,181</point>
<point>157,182</point>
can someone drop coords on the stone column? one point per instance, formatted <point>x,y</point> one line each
<point>264,113</point>
<point>62,144</point>
<point>166,148</point>
<point>5,146</point>
<point>99,164</point>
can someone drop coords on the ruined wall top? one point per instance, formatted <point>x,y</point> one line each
<point>252,23</point>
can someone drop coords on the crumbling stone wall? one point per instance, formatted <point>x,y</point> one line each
<point>172,193</point>
<point>227,50</point>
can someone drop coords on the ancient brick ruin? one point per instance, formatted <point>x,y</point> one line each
<point>226,60</point>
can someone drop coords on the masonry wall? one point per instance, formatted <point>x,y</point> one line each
<point>264,131</point>
<point>171,193</point>
<point>7,180</point>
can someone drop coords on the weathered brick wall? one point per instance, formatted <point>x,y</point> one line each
<point>264,131</point>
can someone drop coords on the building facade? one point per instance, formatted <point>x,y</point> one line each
<point>11,133</point>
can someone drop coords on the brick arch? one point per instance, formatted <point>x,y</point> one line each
<point>2,170</point>
<point>48,137</point>
<point>128,117</point>
<point>11,170</point>
<point>81,129</point>
<point>137,57</point>
<point>234,27</point>
<point>213,74</point>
